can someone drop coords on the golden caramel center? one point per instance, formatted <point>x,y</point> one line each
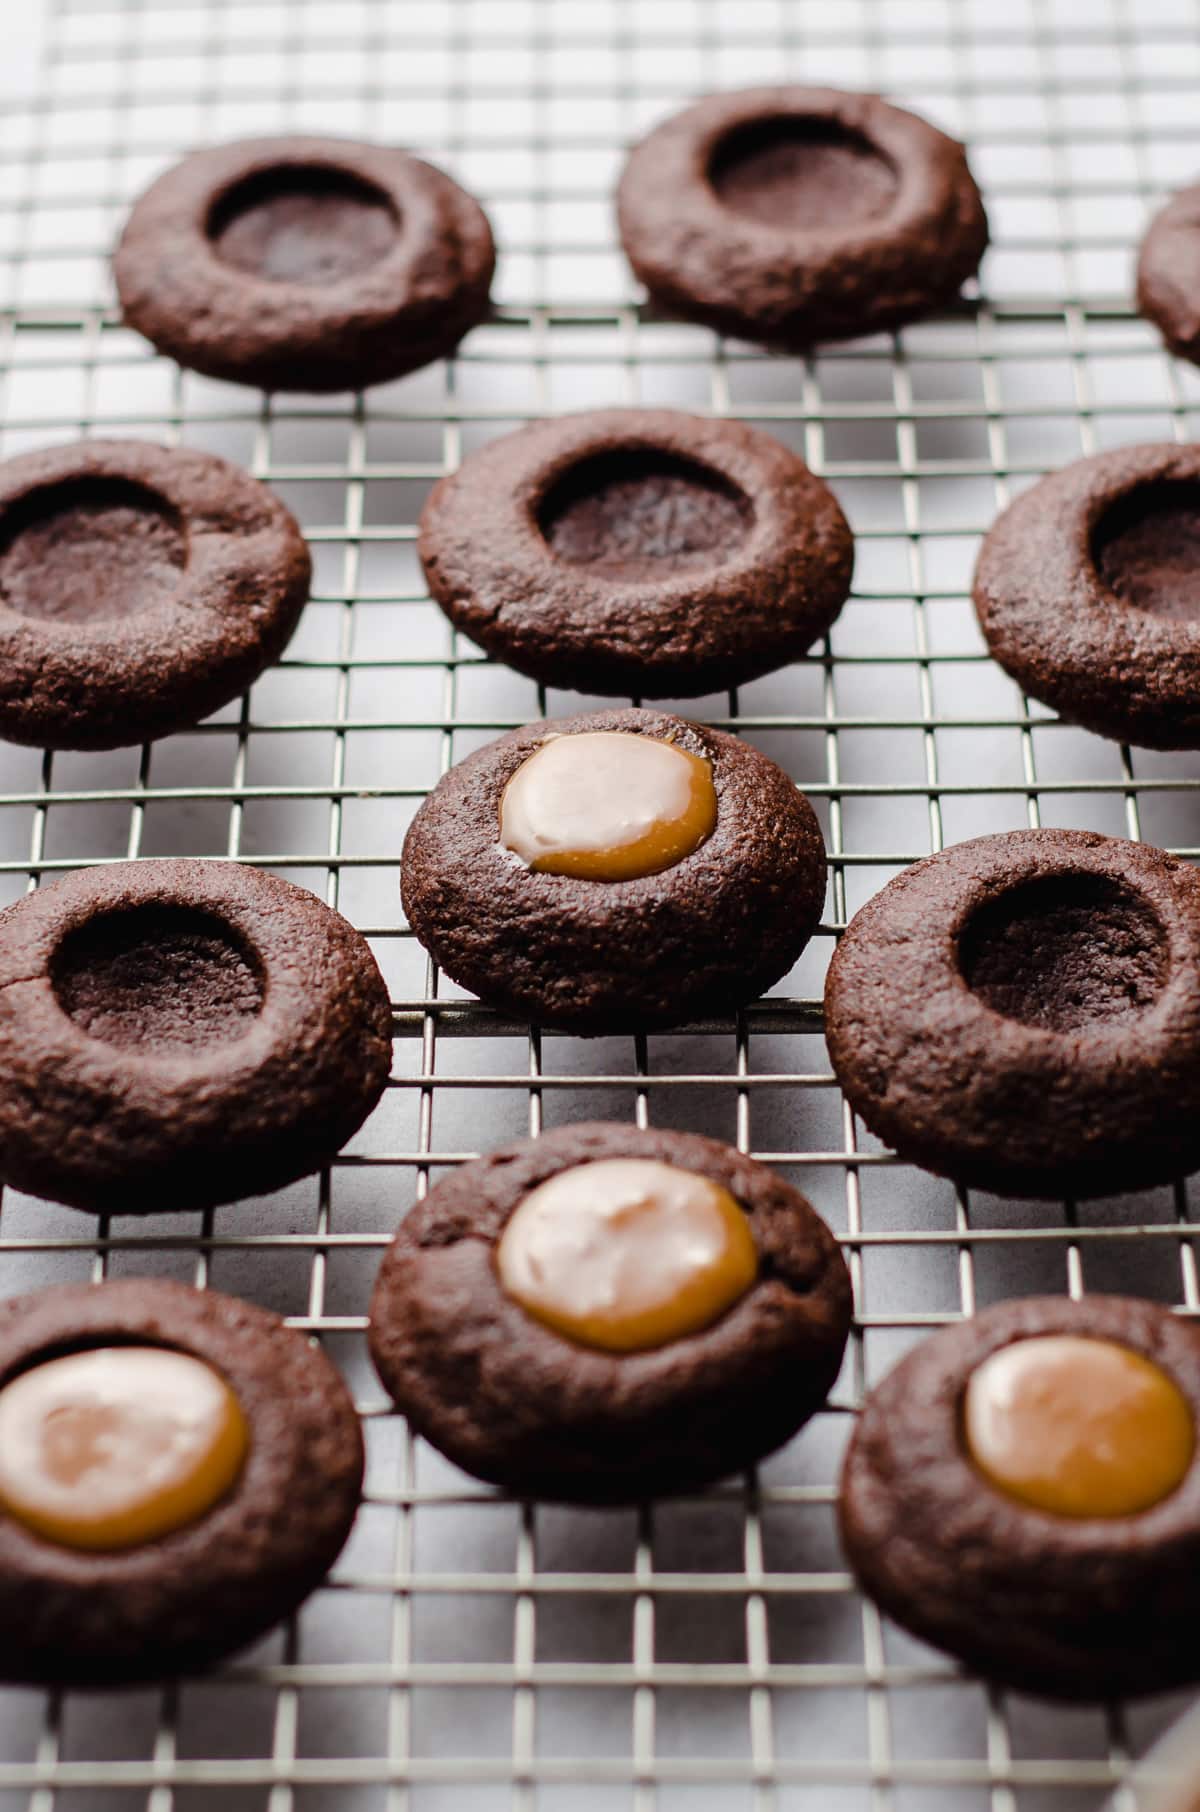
<point>116,1446</point>
<point>1077,1426</point>
<point>607,806</point>
<point>627,1254</point>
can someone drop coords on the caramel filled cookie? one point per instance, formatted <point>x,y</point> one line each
<point>1023,1492</point>
<point>639,551</point>
<point>175,1034</point>
<point>602,1315</point>
<point>178,1471</point>
<point>141,588</point>
<point>304,263</point>
<point>800,214</point>
<point>1018,1011</point>
<point>1168,273</point>
<point>1087,592</point>
<point>613,871</point>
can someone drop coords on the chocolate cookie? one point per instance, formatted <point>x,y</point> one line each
<point>588,1416</point>
<point>1015,1012</point>
<point>126,1609</point>
<point>304,263</point>
<point>632,887</point>
<point>1168,273</point>
<point>141,587</point>
<point>1095,1598</point>
<point>178,1033</point>
<point>1086,592</point>
<point>637,551</point>
<point>800,214</point>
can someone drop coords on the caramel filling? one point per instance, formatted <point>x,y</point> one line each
<point>627,1254</point>
<point>1079,1427</point>
<point>607,806</point>
<point>116,1446</point>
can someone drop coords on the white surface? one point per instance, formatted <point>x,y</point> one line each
<point>24,26</point>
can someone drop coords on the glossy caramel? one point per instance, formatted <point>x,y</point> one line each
<point>607,806</point>
<point>113,1447</point>
<point>1079,1427</point>
<point>627,1253</point>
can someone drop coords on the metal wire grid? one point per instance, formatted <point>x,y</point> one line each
<point>711,1652</point>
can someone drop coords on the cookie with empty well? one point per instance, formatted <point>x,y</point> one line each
<point>304,263</point>
<point>178,1471</point>
<point>606,1314</point>
<point>637,551</point>
<point>1022,1013</point>
<point>141,588</point>
<point>1086,590</point>
<point>1023,1491</point>
<point>179,1033</point>
<point>1168,273</point>
<point>613,871</point>
<point>800,214</point>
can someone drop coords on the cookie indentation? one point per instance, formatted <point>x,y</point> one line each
<point>161,978</point>
<point>1064,952</point>
<point>113,1447</point>
<point>90,552</point>
<point>1078,1427</point>
<point>312,225</point>
<point>1147,549</point>
<point>608,806</point>
<point>802,174</point>
<point>643,514</point>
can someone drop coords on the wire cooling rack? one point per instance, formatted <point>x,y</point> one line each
<point>469,1652</point>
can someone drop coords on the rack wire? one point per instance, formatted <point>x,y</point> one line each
<point>471,1652</point>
